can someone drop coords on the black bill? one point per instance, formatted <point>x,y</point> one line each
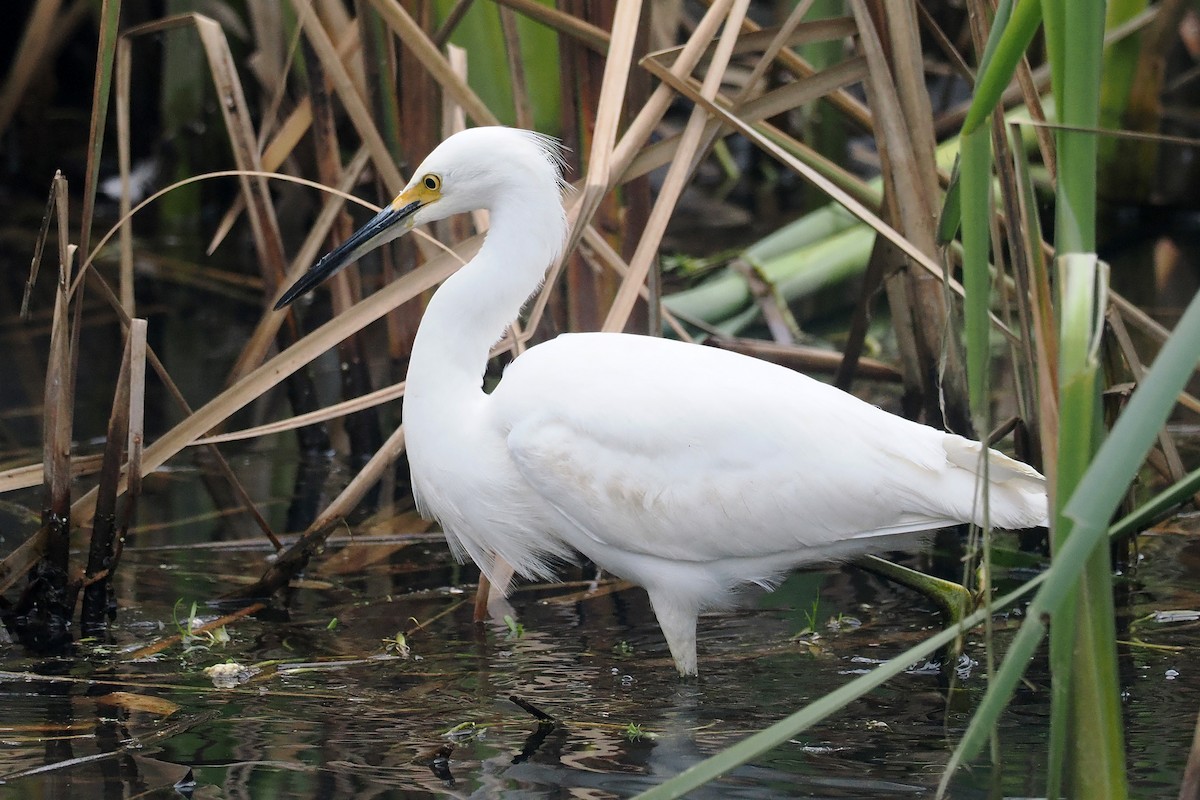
<point>383,227</point>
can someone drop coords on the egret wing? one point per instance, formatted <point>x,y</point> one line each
<point>691,453</point>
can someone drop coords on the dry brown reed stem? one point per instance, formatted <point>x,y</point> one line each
<point>59,400</point>
<point>904,138</point>
<point>287,136</point>
<point>410,33</point>
<point>29,57</point>
<point>516,68</point>
<point>803,358</point>
<point>848,104</point>
<point>441,37</point>
<point>679,172</point>
<point>29,475</point>
<point>1033,355</point>
<point>355,404</point>
<point>362,428</point>
<point>609,162</point>
<point>272,372</point>
<point>242,140</point>
<point>352,100</point>
<point>611,259</point>
<point>567,24</point>
<point>109,23</point>
<point>290,562</point>
<point>814,176</point>
<point>268,325</point>
<point>1116,326</point>
<point>124,435</point>
<point>598,179</point>
<point>137,438</point>
<point>124,165</point>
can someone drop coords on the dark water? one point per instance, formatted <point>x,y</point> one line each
<point>330,712</point>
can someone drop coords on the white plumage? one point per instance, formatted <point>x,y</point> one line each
<point>687,470</point>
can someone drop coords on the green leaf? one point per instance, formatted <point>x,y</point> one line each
<point>1006,45</point>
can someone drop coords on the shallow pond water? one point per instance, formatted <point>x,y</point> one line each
<point>345,710</point>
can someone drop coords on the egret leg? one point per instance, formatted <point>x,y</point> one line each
<point>952,598</point>
<point>677,618</point>
<point>491,599</point>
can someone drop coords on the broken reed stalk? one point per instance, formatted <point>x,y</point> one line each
<point>110,524</point>
<point>58,405</point>
<point>97,586</point>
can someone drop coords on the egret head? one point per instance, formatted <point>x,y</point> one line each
<point>473,169</point>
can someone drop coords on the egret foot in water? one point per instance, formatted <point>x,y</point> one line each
<point>687,470</point>
<point>952,598</point>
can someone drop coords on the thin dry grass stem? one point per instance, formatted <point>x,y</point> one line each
<point>678,173</point>
<point>948,48</point>
<point>804,358</point>
<point>275,370</point>
<point>286,138</point>
<point>350,95</point>
<point>259,342</point>
<point>170,641</point>
<point>290,562</point>
<point>598,179</point>
<point>516,68</point>
<point>598,247</point>
<point>1161,138</point>
<point>1116,326</point>
<point>644,123</point>
<point>904,138</point>
<point>1031,94</point>
<point>582,31</point>
<point>781,37</point>
<point>423,48</point>
<point>124,164</point>
<point>29,57</point>
<point>351,406</point>
<point>442,36</point>
<point>102,552</point>
<point>814,176</point>
<point>1035,284</point>
<point>769,41</point>
<point>109,24</point>
<point>754,111</point>
<point>39,245</point>
<point>848,104</point>
<point>1021,235</point>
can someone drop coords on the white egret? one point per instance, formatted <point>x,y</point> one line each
<point>687,470</point>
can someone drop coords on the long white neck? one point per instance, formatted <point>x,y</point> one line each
<point>471,310</point>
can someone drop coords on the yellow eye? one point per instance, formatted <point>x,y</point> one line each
<point>432,182</point>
